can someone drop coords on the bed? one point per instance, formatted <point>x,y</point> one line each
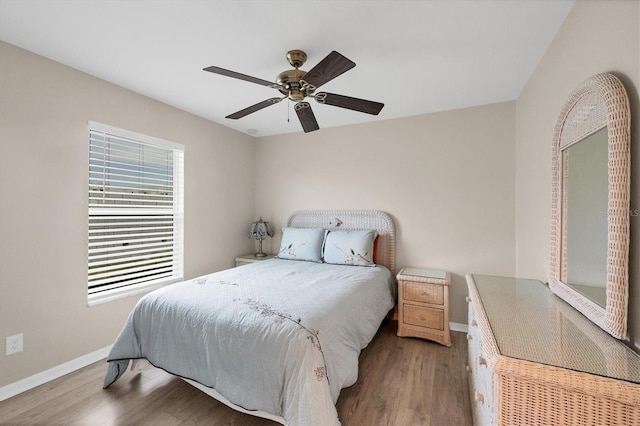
<point>278,338</point>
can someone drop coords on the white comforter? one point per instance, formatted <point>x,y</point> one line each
<point>278,336</point>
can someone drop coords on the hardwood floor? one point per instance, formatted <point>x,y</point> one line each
<point>402,381</point>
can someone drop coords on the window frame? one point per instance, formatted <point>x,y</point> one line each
<point>176,211</point>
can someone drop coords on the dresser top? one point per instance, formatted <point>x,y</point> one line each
<point>530,323</point>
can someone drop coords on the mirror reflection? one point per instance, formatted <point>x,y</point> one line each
<point>585,187</point>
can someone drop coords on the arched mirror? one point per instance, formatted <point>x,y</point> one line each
<point>590,205</point>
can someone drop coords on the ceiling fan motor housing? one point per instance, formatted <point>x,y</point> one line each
<point>291,80</point>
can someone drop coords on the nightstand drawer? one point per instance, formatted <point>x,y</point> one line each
<point>423,316</point>
<point>425,293</point>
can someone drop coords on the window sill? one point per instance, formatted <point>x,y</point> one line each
<point>110,296</point>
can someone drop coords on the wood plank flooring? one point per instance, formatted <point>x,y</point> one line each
<point>402,381</point>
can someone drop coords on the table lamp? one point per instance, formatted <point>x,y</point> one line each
<point>260,230</point>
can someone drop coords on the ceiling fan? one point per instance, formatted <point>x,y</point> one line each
<point>297,85</point>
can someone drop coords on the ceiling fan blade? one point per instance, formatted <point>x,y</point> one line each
<point>233,74</point>
<point>254,108</point>
<point>306,116</point>
<point>355,104</point>
<point>327,69</point>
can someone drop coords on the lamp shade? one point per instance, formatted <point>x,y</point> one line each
<point>260,230</point>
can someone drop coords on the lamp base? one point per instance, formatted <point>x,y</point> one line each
<point>260,253</point>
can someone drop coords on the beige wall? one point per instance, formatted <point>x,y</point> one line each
<point>446,178</point>
<point>44,109</point>
<point>596,37</point>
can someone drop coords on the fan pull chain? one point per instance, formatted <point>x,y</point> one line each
<point>288,108</point>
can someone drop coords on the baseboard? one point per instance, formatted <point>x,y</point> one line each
<point>31,382</point>
<point>455,326</point>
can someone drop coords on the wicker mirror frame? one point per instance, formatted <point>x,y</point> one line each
<point>599,102</point>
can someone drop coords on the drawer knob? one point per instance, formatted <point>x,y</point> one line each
<point>468,299</point>
<point>474,323</point>
<point>469,337</point>
<point>479,397</point>
<point>468,369</point>
<point>482,361</point>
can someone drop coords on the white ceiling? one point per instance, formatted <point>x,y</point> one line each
<point>416,57</point>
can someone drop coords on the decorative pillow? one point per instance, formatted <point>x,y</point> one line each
<point>302,244</point>
<point>350,247</point>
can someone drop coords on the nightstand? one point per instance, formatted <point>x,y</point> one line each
<point>423,304</point>
<point>245,259</point>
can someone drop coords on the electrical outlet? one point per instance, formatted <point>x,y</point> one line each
<point>14,344</point>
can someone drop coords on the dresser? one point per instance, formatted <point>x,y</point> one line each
<point>533,359</point>
<point>423,304</point>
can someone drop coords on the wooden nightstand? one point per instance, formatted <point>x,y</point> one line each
<point>423,304</point>
<point>245,259</point>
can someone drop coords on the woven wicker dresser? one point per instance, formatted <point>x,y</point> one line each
<point>533,359</point>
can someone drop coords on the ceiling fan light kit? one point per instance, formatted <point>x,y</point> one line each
<point>296,85</point>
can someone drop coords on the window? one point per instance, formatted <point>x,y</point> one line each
<point>135,212</point>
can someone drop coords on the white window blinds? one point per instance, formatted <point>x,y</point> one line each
<point>135,211</point>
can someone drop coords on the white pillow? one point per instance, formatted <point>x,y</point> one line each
<point>350,247</point>
<point>302,244</point>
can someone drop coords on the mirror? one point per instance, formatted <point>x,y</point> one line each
<point>590,203</point>
<point>585,182</point>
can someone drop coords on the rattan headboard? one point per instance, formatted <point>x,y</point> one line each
<point>354,220</point>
